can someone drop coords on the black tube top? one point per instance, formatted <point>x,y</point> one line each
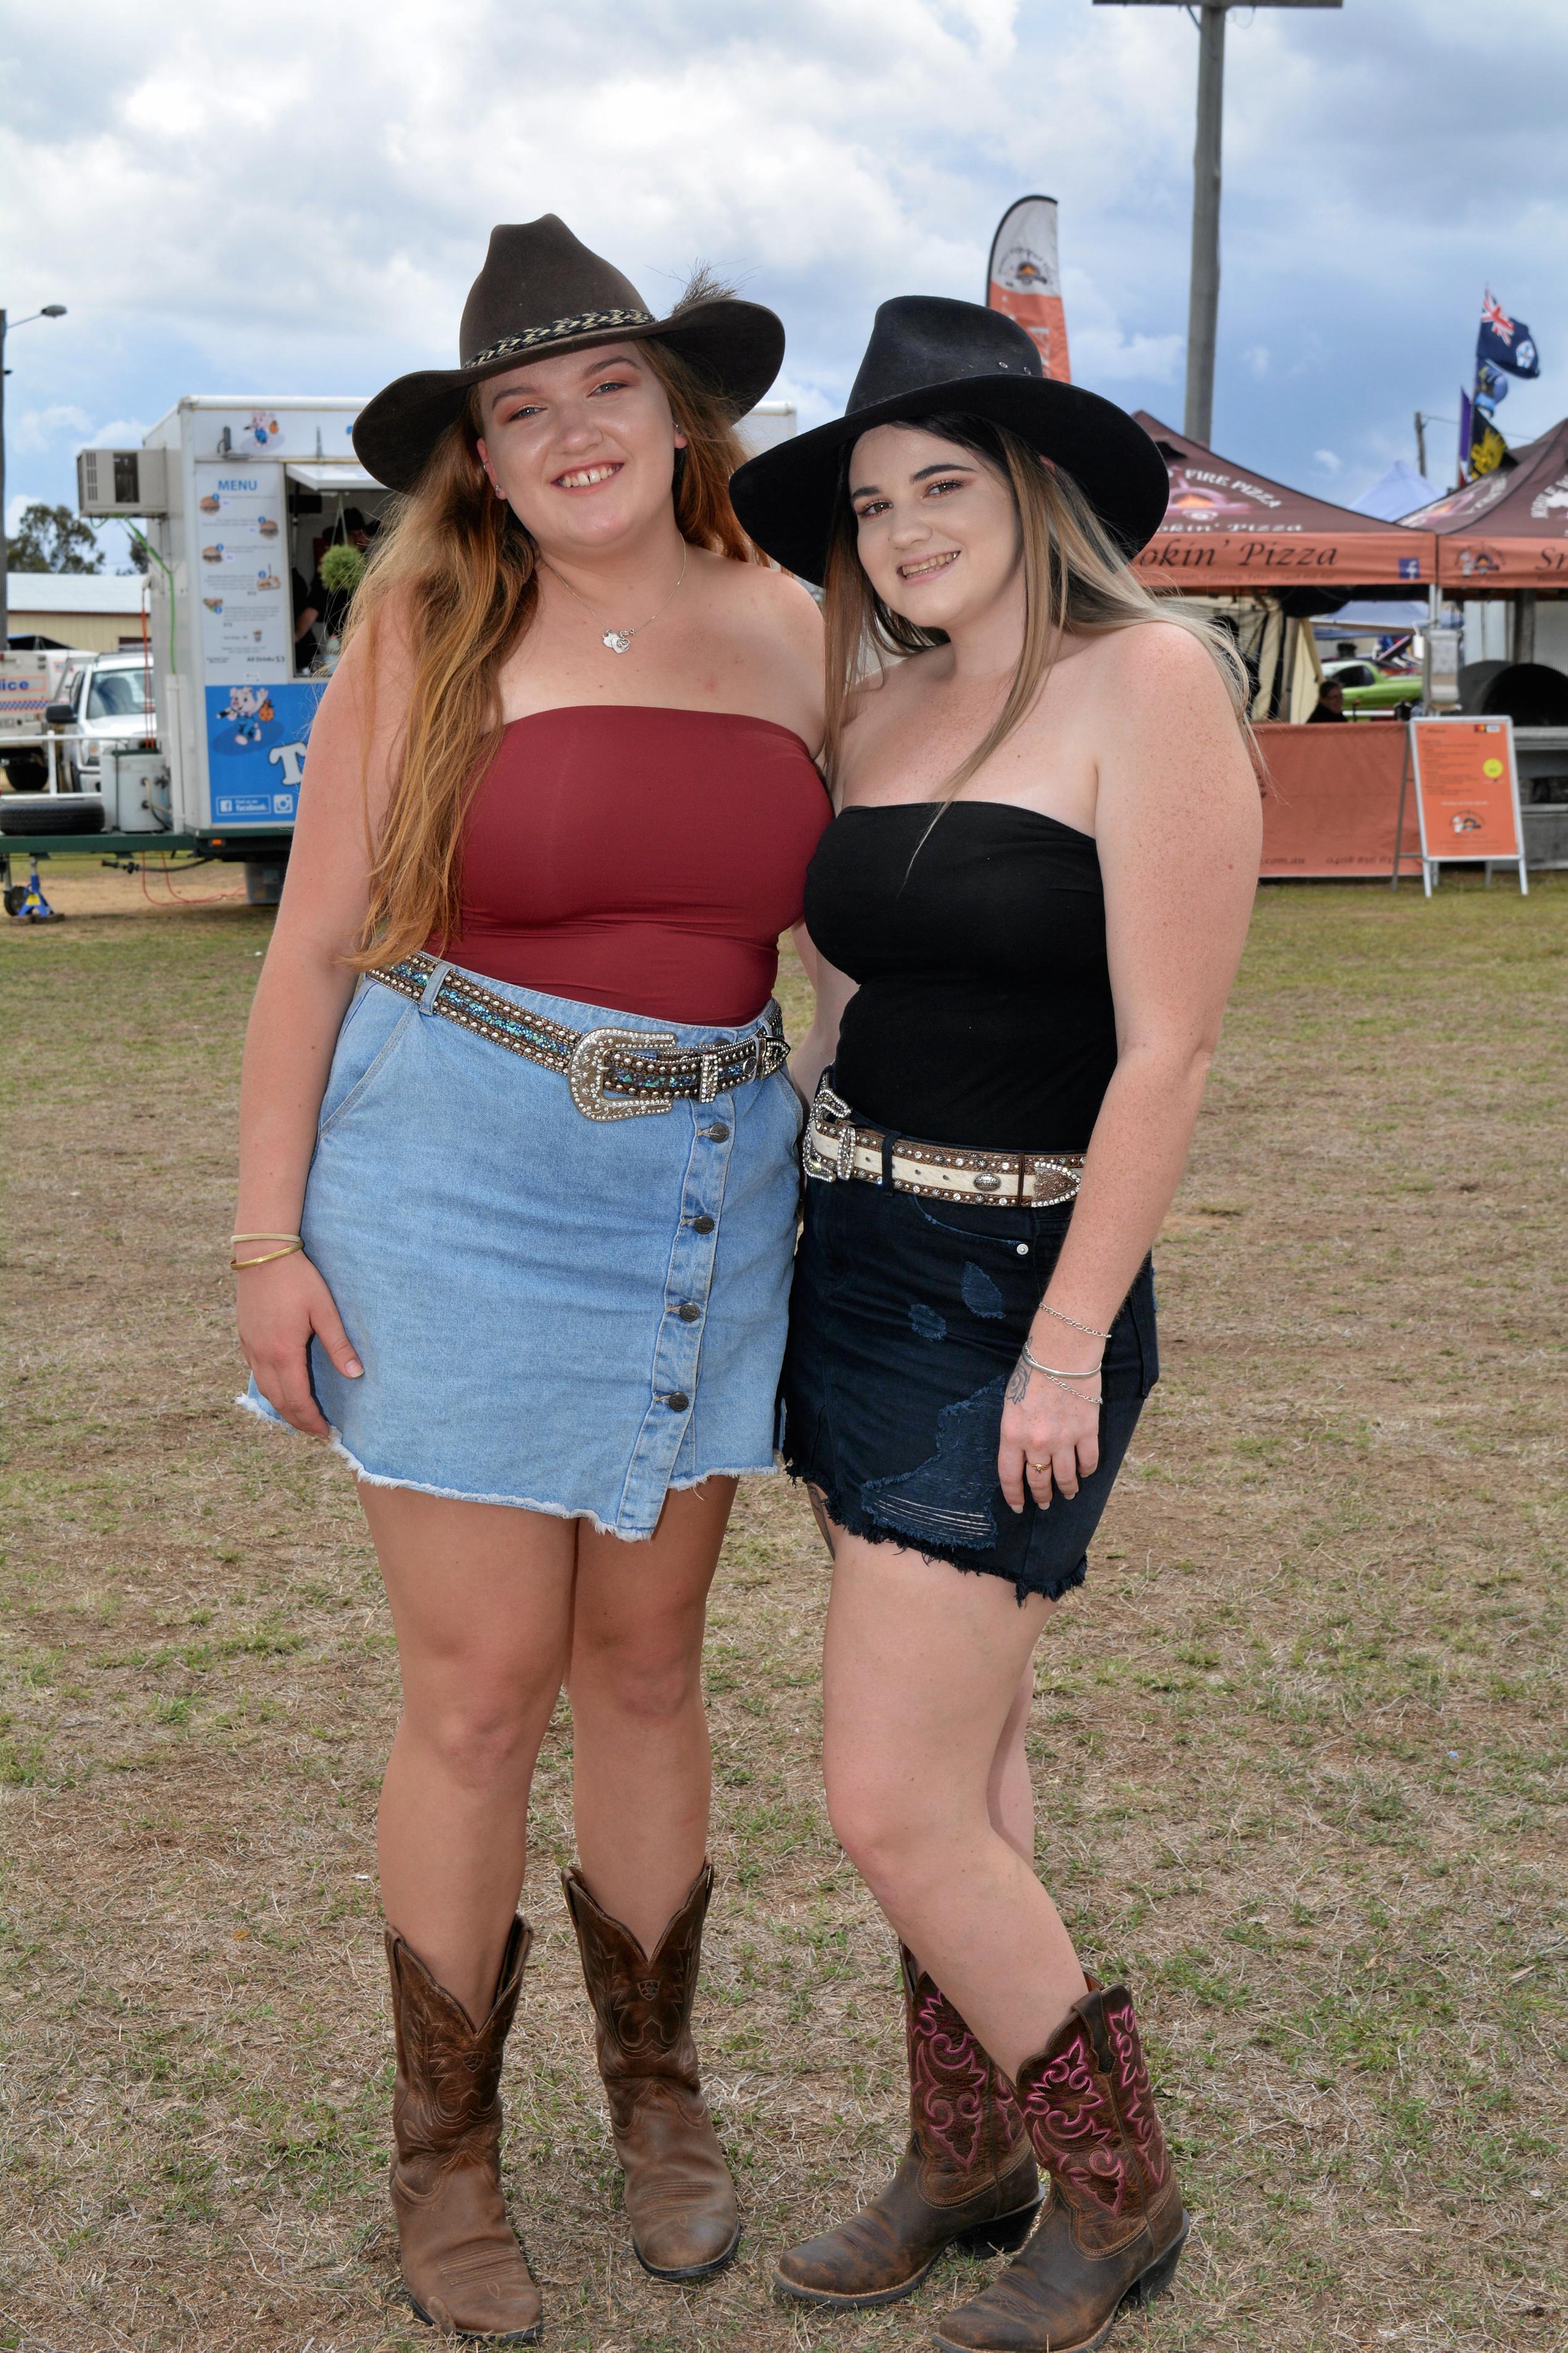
<point>984,1015</point>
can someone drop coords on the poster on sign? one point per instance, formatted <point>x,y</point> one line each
<point>1023,279</point>
<point>1467,795</point>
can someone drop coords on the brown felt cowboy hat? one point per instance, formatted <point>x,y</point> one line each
<point>932,356</point>
<point>541,292</point>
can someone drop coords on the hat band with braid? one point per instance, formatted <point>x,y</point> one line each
<point>584,322</point>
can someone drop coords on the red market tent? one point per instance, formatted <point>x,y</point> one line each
<point>1227,529</point>
<point>1510,529</point>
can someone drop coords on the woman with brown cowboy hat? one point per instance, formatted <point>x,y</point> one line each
<point>1029,911</point>
<point>517,1210</point>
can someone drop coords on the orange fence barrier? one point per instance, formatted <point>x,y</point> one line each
<point>1331,800</point>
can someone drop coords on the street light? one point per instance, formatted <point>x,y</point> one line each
<point>49,311</point>
<point>1203,299</point>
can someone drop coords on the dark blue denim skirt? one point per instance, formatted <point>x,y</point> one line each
<point>905,1319</point>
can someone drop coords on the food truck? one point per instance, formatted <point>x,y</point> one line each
<point>237,499</point>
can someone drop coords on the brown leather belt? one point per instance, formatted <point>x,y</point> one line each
<point>612,1074</point>
<point>834,1146</point>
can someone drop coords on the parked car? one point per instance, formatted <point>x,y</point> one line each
<point>1374,686</point>
<point>111,700</point>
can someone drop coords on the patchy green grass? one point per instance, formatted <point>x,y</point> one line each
<point>1300,1745</point>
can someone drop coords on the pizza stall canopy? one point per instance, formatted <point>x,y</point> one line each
<point>1509,530</point>
<point>1229,529</point>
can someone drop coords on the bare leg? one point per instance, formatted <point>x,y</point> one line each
<point>641,1769</point>
<point>1010,1793</point>
<point>481,1600</point>
<point>923,1688</point>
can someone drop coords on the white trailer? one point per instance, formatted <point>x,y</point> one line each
<point>237,494</point>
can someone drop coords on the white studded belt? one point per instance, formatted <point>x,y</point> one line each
<point>837,1146</point>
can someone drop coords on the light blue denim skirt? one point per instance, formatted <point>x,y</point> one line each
<point>567,1314</point>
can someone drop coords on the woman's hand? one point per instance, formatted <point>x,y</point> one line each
<point>280,1306</point>
<point>1049,1433</point>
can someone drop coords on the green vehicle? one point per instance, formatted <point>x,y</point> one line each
<point>1370,686</point>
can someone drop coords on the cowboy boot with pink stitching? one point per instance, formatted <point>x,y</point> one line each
<point>967,2178</point>
<point>1113,2228</point>
<point>465,2271</point>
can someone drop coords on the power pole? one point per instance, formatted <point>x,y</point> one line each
<point>1203,299</point>
<point>1421,445</point>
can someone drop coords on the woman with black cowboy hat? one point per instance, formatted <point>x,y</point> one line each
<point>1028,911</point>
<point>515,1213</point>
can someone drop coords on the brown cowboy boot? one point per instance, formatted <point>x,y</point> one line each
<point>1112,2232</point>
<point>680,2200</point>
<point>465,2272</point>
<point>967,2180</point>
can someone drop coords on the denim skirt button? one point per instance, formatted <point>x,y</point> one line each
<point>677,1401</point>
<point>688,1311</point>
<point>718,1132</point>
<point>701,1224</point>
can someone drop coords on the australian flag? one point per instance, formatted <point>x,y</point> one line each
<point>1504,343</point>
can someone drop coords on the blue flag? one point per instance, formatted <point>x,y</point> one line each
<point>1505,343</point>
<point>1490,386</point>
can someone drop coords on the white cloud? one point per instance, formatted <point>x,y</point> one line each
<point>299,203</point>
<point>37,429</point>
<point>1328,462</point>
<point>120,432</point>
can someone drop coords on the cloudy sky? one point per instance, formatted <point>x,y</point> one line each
<point>293,198</point>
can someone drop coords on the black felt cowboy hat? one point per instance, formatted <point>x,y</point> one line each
<point>929,356</point>
<point>541,292</point>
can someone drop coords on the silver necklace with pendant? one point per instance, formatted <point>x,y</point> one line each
<point>619,640</point>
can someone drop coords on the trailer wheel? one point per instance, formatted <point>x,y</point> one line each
<point>264,880</point>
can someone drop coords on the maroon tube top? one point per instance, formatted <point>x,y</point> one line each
<point>641,859</point>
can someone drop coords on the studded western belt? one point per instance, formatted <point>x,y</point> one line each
<point>834,1146</point>
<point>613,1073</point>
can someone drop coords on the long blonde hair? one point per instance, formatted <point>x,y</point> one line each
<point>461,573</point>
<point>1075,579</point>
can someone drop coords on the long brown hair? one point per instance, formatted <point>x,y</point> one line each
<point>1075,577</point>
<point>460,572</point>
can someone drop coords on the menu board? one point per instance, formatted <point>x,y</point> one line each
<point>243,574</point>
<point>1467,793</point>
<point>1464,787</point>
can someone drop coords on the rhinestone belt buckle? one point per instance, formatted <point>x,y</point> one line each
<point>589,1066</point>
<point>837,1158</point>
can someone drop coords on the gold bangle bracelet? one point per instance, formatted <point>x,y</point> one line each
<point>267,1257</point>
<point>262,1237</point>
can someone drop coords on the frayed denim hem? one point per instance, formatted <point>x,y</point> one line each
<point>271,1420</point>
<point>856,1522</point>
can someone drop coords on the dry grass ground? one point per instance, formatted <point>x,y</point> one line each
<point>1299,1743</point>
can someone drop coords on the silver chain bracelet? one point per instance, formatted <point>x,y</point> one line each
<point>1093,1330</point>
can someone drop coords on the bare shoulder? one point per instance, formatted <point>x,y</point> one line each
<point>775,599</point>
<point>885,692</point>
<point>1159,665</point>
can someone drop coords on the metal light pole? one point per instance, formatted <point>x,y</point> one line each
<point>49,311</point>
<point>1203,299</point>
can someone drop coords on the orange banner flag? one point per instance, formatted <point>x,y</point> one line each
<point>1023,281</point>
